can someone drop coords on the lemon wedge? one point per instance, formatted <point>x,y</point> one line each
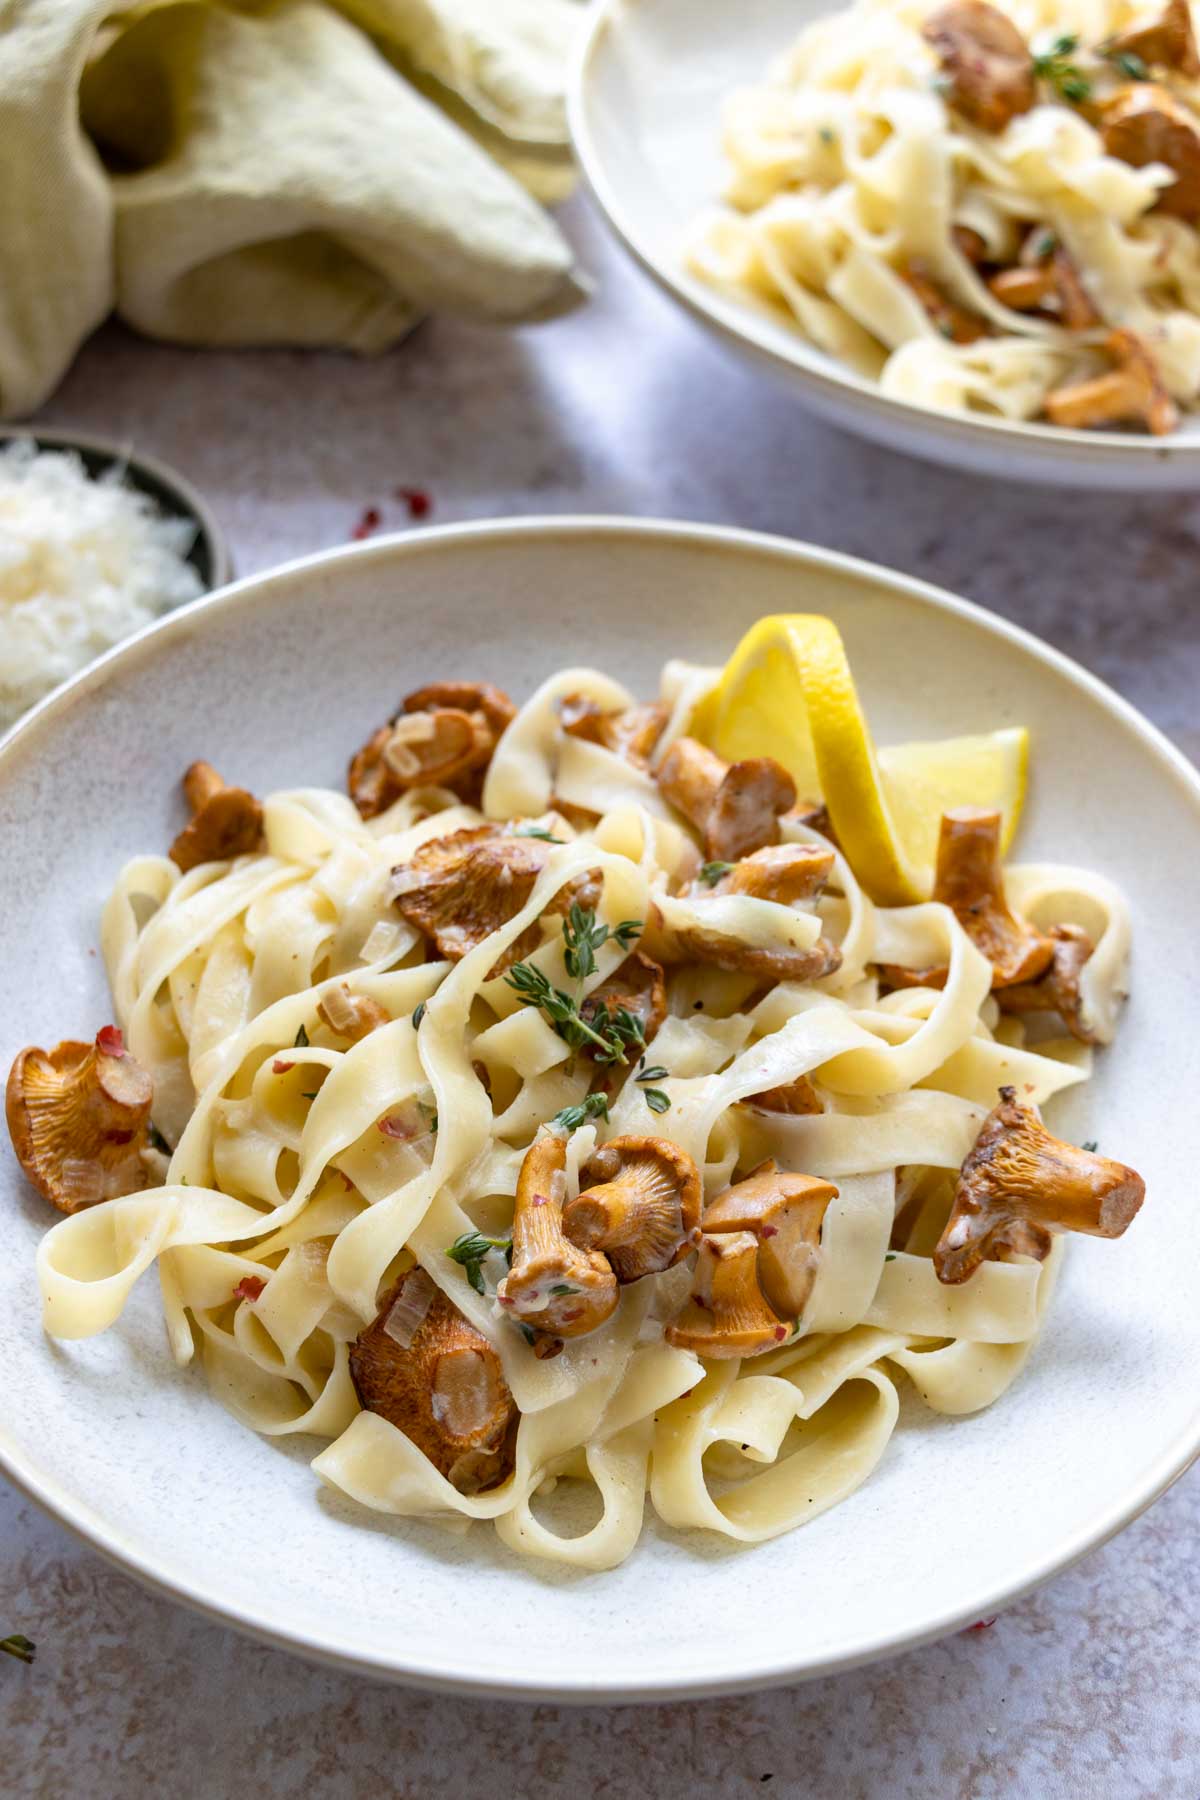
<point>787,691</point>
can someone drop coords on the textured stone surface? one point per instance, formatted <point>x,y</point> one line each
<point>1085,1687</point>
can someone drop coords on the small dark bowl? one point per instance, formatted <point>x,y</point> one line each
<point>175,497</point>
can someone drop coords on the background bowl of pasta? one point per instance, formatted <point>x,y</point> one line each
<point>804,182</point>
<point>277,680</point>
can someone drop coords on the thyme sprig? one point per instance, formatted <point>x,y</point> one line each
<point>582,937</point>
<point>613,1031</point>
<point>712,872</point>
<point>1055,67</point>
<point>592,1106</point>
<point>537,831</point>
<point>469,1251</point>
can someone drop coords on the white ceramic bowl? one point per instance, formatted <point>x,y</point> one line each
<point>276,680</point>
<point>646,90</point>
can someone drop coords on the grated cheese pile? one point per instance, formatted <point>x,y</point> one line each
<point>83,563</point>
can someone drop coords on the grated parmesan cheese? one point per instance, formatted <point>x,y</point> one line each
<point>83,563</point>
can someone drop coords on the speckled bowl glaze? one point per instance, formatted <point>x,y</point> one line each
<point>645,102</point>
<point>276,680</point>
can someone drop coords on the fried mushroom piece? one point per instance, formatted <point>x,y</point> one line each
<point>1130,394</point>
<point>784,874</point>
<point>632,733</point>
<point>553,1287</point>
<point>734,806</point>
<point>953,321</point>
<point>1045,279</point>
<point>985,60</point>
<point>425,1369</point>
<point>725,1314</point>
<point>1168,42</point>
<point>1019,1184</point>
<point>1057,991</point>
<point>639,987</point>
<point>79,1119</point>
<point>639,1202</point>
<point>226,821</point>
<point>785,1212</point>
<point>443,736</point>
<point>796,1098</point>
<point>970,881</point>
<point>1144,123</point>
<point>460,888</point>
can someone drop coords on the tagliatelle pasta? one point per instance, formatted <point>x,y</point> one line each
<point>968,249</point>
<point>348,1106</point>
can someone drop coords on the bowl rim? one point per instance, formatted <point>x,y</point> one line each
<point>833,385</point>
<point>146,1565</point>
<point>121,451</point>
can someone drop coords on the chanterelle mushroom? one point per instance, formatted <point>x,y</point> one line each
<point>633,733</point>
<point>953,321</point>
<point>442,736</point>
<point>795,1097</point>
<point>1144,123</point>
<point>553,1286</point>
<point>1167,42</point>
<point>226,821</point>
<point>1019,1183</point>
<point>426,1369</point>
<point>785,874</point>
<point>1058,989</point>
<point>79,1119</point>
<point>1046,279</point>
<point>986,62</point>
<point>639,1202</point>
<point>460,888</point>
<point>726,1314</point>
<point>353,1016</point>
<point>785,1213</point>
<point>638,986</point>
<point>734,806</point>
<point>970,881</point>
<point>1130,394</point>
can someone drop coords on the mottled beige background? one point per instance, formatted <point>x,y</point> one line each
<point>1086,1689</point>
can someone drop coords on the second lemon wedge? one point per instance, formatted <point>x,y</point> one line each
<point>787,691</point>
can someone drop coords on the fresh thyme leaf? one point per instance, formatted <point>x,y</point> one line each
<point>582,937</point>
<point>712,872</point>
<point>656,1100</point>
<point>623,1033</point>
<point>826,135</point>
<point>301,1039</point>
<point>626,931</point>
<point>1092,1145</point>
<point>158,1141</point>
<point>1046,245</point>
<point>612,1036</point>
<point>593,1106</point>
<point>1055,68</point>
<point>890,1257</point>
<point>19,1646</point>
<point>528,1333</point>
<point>419,1014</point>
<point>657,1073</point>
<point>310,1096</point>
<point>1131,64</point>
<point>538,831</point>
<point>469,1251</point>
<point>563,1287</point>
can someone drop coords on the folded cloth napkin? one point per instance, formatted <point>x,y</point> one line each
<point>280,173</point>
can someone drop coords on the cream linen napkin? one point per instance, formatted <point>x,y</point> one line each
<point>270,176</point>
